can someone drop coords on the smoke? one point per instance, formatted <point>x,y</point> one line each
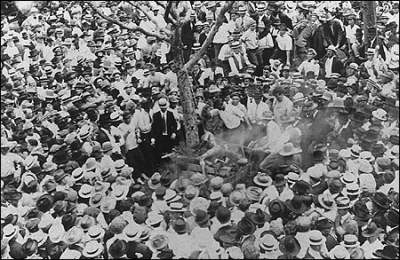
<point>24,6</point>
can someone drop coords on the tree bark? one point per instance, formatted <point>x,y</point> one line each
<point>186,92</point>
<point>369,19</point>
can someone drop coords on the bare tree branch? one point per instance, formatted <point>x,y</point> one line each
<point>210,36</point>
<point>168,13</point>
<point>160,4</point>
<point>124,26</point>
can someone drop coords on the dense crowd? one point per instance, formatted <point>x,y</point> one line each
<point>91,114</point>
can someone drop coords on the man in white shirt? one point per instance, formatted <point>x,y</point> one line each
<point>158,17</point>
<point>256,108</point>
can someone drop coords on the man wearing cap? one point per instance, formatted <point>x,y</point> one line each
<point>163,128</point>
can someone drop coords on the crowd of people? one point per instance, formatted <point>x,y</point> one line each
<point>91,113</point>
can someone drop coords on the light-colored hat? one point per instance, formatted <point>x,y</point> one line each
<point>162,102</point>
<point>77,174</point>
<point>95,232</point>
<point>331,48</point>
<point>10,231</point>
<point>154,218</point>
<point>316,238</point>
<point>342,202</point>
<point>339,252</point>
<point>71,254</point>
<point>262,179</point>
<point>132,232</point>
<point>56,233</point>
<point>326,200</point>
<point>380,114</point>
<point>85,191</point>
<point>352,189</point>
<point>269,243</point>
<point>73,235</point>
<point>92,249</point>
<point>348,178</point>
<point>350,241</point>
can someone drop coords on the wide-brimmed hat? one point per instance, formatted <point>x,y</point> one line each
<point>253,193</point>
<point>259,217</point>
<point>331,48</point>
<point>289,245</point>
<point>289,149</point>
<point>246,226</point>
<point>95,232</point>
<point>342,202</point>
<point>277,208</point>
<point>326,200</point>
<point>352,189</point>
<point>154,218</point>
<point>268,243</point>
<point>350,241</point>
<point>388,252</point>
<point>85,191</point>
<point>371,229</point>
<point>10,231</point>
<point>158,242</point>
<point>108,204</point>
<point>155,181</point>
<point>73,235</point>
<point>92,249</point>
<point>381,200</point>
<point>262,179</point>
<point>339,252</point>
<point>236,197</point>
<point>176,207</point>
<point>132,232</point>
<point>380,114</point>
<point>316,238</point>
<point>296,205</point>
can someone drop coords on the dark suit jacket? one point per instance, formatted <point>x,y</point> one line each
<point>188,34</point>
<point>156,126</point>
<point>337,66</point>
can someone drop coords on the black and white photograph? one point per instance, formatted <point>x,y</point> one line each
<point>199,130</point>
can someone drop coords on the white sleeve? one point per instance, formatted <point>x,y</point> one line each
<point>233,66</point>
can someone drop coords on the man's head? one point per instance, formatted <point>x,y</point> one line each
<point>163,104</point>
<point>278,93</point>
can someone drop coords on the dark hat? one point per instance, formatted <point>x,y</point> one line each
<point>301,187</point>
<point>361,212</point>
<point>259,217</point>
<point>388,252</point>
<point>201,217</point>
<point>180,226</point>
<point>381,200</point>
<point>227,234</point>
<point>223,214</point>
<point>371,136</point>
<point>392,217</point>
<point>371,230</point>
<point>246,226</point>
<point>277,208</point>
<point>289,245</point>
<point>11,193</point>
<point>44,203</point>
<point>296,205</point>
<point>323,224</point>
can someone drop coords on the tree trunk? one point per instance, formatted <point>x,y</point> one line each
<point>186,92</point>
<point>369,19</point>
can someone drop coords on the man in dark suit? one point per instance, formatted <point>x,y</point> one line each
<point>163,129</point>
<point>188,36</point>
<point>331,63</point>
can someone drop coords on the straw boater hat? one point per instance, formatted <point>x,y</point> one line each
<point>262,179</point>
<point>92,249</point>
